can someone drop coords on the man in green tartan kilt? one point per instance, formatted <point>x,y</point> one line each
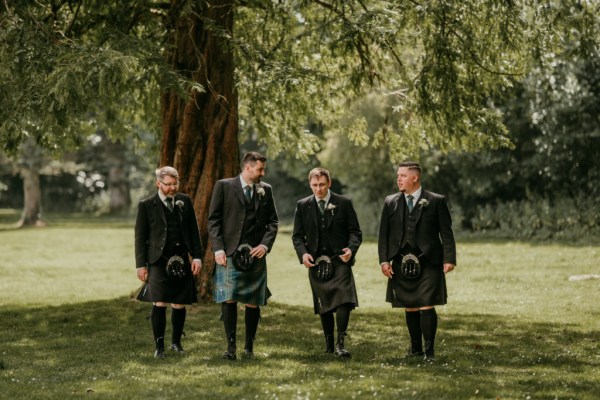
<point>242,226</point>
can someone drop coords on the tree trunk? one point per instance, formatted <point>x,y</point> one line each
<point>118,180</point>
<point>200,133</point>
<point>30,162</point>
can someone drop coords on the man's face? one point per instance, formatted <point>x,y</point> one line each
<point>320,186</point>
<point>254,172</point>
<point>408,180</point>
<point>168,186</point>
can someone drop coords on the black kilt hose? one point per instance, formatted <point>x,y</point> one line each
<point>169,290</point>
<point>429,289</point>
<point>337,290</point>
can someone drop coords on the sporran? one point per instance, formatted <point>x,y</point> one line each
<point>175,268</point>
<point>323,269</point>
<point>242,260</point>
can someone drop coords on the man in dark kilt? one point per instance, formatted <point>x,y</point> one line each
<point>416,250</point>
<point>326,238</point>
<point>166,238</point>
<point>242,226</point>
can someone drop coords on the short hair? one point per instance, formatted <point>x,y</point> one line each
<point>317,173</point>
<point>166,171</point>
<point>252,157</point>
<point>411,165</point>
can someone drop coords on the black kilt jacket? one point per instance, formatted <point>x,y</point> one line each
<point>343,231</point>
<point>150,240</point>
<point>434,239</point>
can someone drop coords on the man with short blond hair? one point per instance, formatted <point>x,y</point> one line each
<point>326,238</point>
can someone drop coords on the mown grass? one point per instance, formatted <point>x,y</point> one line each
<point>515,328</point>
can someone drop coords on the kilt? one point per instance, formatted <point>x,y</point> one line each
<point>162,288</point>
<point>339,289</point>
<point>429,289</point>
<point>248,287</point>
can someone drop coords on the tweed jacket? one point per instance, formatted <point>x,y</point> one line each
<point>227,213</point>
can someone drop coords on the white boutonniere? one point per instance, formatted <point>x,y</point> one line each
<point>331,207</point>
<point>423,203</point>
<point>260,192</point>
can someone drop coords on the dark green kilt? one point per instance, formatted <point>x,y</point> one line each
<point>429,289</point>
<point>248,287</point>
<point>168,290</point>
<point>339,289</point>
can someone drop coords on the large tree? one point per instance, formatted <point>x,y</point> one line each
<point>289,62</point>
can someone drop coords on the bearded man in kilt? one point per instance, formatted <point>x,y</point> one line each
<point>166,238</point>
<point>326,238</point>
<point>242,226</point>
<point>416,250</point>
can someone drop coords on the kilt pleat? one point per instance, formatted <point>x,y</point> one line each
<point>339,289</point>
<point>248,287</point>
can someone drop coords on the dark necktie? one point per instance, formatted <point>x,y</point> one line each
<point>248,193</point>
<point>322,206</point>
<point>409,199</point>
<point>169,203</point>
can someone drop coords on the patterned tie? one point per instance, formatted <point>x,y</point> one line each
<point>322,206</point>
<point>248,193</point>
<point>169,203</point>
<point>410,202</point>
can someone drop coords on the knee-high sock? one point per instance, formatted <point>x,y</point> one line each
<point>251,319</point>
<point>229,312</point>
<point>177,323</point>
<point>327,323</point>
<point>413,322</point>
<point>429,326</point>
<point>342,317</point>
<point>158,317</point>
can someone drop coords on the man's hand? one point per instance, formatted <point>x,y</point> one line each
<point>347,255</point>
<point>259,251</point>
<point>308,260</point>
<point>221,259</point>
<point>196,267</point>
<point>386,269</point>
<point>142,274</point>
<point>448,267</point>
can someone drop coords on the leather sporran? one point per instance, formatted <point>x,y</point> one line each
<point>410,267</point>
<point>175,268</point>
<point>242,260</point>
<point>323,269</point>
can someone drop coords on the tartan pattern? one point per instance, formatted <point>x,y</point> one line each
<point>248,287</point>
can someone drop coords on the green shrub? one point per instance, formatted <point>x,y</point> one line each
<point>570,219</point>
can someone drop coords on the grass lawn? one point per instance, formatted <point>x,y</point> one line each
<point>515,327</point>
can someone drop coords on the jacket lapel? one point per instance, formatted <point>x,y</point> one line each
<point>312,212</point>
<point>158,209</point>
<point>420,207</point>
<point>239,193</point>
<point>329,214</point>
<point>256,197</point>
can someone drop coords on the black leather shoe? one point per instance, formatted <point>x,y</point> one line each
<point>159,353</point>
<point>229,356</point>
<point>176,347</point>
<point>340,351</point>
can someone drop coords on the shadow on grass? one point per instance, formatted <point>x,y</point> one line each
<point>106,347</point>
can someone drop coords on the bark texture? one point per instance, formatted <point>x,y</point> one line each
<point>200,132</point>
